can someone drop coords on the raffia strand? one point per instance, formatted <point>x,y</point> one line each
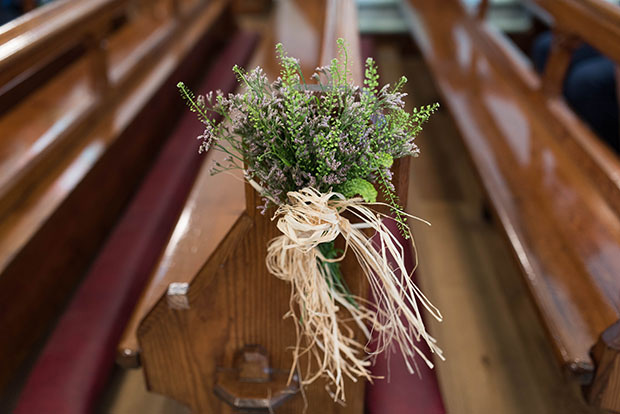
<point>323,315</point>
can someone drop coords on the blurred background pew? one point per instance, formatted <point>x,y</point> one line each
<point>80,130</point>
<point>549,181</point>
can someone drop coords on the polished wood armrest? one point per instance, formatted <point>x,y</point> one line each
<point>214,205</point>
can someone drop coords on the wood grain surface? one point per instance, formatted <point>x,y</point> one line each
<point>234,301</point>
<point>558,214</point>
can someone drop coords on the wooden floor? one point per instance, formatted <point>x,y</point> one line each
<point>498,359</point>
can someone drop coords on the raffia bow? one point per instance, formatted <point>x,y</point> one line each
<point>325,314</point>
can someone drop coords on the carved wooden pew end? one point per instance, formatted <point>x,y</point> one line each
<point>252,384</point>
<point>220,343</point>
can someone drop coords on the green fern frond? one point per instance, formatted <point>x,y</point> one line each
<point>191,101</point>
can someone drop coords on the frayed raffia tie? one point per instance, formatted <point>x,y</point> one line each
<point>325,314</point>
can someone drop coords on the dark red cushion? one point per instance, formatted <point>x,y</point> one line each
<point>76,362</point>
<point>403,393</point>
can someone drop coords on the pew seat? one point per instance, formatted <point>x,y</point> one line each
<point>78,358</point>
<point>547,179</point>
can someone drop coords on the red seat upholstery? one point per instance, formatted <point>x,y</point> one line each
<point>403,393</point>
<point>76,362</point>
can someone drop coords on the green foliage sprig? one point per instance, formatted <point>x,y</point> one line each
<point>329,135</point>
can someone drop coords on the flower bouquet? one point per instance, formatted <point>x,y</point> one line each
<point>320,153</point>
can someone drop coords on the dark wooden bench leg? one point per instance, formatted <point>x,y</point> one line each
<point>605,389</point>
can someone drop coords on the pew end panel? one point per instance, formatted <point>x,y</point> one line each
<point>191,340</point>
<point>188,342</point>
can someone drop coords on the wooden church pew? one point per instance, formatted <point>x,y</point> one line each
<point>551,183</point>
<point>74,149</point>
<point>216,202</point>
<point>77,360</point>
<point>182,340</point>
<point>222,196</point>
<point>216,211</point>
